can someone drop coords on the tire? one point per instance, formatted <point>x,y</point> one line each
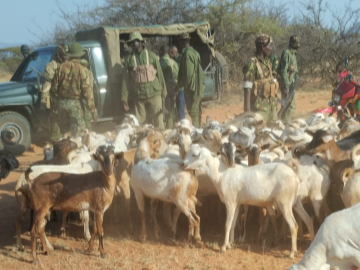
<point>15,132</point>
<point>221,61</point>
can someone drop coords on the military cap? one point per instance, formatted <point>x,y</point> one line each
<point>184,36</point>
<point>135,36</point>
<point>75,50</point>
<point>263,39</point>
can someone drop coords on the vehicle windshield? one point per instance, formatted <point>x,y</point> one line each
<point>37,61</point>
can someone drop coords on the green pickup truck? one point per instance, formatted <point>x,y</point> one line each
<point>105,47</point>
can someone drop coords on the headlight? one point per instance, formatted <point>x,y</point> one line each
<point>336,98</point>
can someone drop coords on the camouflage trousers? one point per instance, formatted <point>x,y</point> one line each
<point>170,114</point>
<point>266,107</point>
<point>289,111</point>
<point>193,106</point>
<point>70,116</point>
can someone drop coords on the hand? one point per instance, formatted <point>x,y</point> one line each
<point>126,106</point>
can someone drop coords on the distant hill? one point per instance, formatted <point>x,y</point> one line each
<point>7,45</point>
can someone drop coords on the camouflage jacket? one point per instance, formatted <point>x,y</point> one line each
<point>132,90</point>
<point>72,81</point>
<point>252,74</point>
<point>288,68</point>
<point>191,74</point>
<point>274,64</point>
<point>170,70</point>
<point>50,70</point>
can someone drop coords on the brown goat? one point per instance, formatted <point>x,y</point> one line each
<point>74,193</point>
<point>61,150</point>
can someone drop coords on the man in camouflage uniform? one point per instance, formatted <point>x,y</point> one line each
<point>50,69</point>
<point>170,70</point>
<point>191,77</point>
<point>287,72</point>
<point>180,98</point>
<point>147,94</point>
<point>71,83</point>
<point>274,64</point>
<point>259,85</point>
<point>87,117</point>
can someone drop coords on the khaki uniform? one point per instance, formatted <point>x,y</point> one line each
<point>146,95</point>
<point>258,77</point>
<point>287,71</point>
<point>191,77</point>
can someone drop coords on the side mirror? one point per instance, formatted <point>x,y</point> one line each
<point>25,51</point>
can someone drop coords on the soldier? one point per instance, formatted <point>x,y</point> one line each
<point>170,70</point>
<point>191,77</point>
<point>143,82</point>
<point>274,64</point>
<point>71,83</point>
<point>287,72</point>
<point>50,69</point>
<point>87,118</point>
<point>180,99</point>
<point>259,86</point>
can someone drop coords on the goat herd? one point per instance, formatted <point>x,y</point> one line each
<point>242,161</point>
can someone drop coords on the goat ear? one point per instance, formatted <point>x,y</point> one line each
<point>119,155</point>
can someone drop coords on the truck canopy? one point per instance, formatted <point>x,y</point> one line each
<point>111,38</point>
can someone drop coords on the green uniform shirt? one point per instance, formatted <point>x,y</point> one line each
<point>132,90</point>
<point>191,75</point>
<point>287,67</point>
<point>72,81</point>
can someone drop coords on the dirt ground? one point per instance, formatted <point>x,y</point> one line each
<point>123,248</point>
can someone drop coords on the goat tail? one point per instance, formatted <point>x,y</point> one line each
<point>293,164</point>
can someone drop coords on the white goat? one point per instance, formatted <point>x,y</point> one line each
<point>336,245</point>
<point>266,185</point>
<point>163,179</point>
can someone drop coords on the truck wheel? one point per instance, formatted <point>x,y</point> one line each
<point>221,61</point>
<point>15,132</point>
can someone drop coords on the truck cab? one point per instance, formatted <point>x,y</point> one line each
<point>20,110</point>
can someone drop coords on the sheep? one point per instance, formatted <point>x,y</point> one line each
<point>67,192</point>
<point>8,162</point>
<point>262,185</point>
<point>336,245</point>
<point>163,179</point>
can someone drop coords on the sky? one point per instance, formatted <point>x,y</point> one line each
<point>20,19</point>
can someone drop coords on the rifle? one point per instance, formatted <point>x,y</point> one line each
<point>41,74</point>
<point>286,102</point>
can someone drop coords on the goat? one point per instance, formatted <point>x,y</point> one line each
<point>61,149</point>
<point>336,245</point>
<point>324,143</point>
<point>261,185</point>
<point>67,192</point>
<point>163,179</point>
<point>8,162</point>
